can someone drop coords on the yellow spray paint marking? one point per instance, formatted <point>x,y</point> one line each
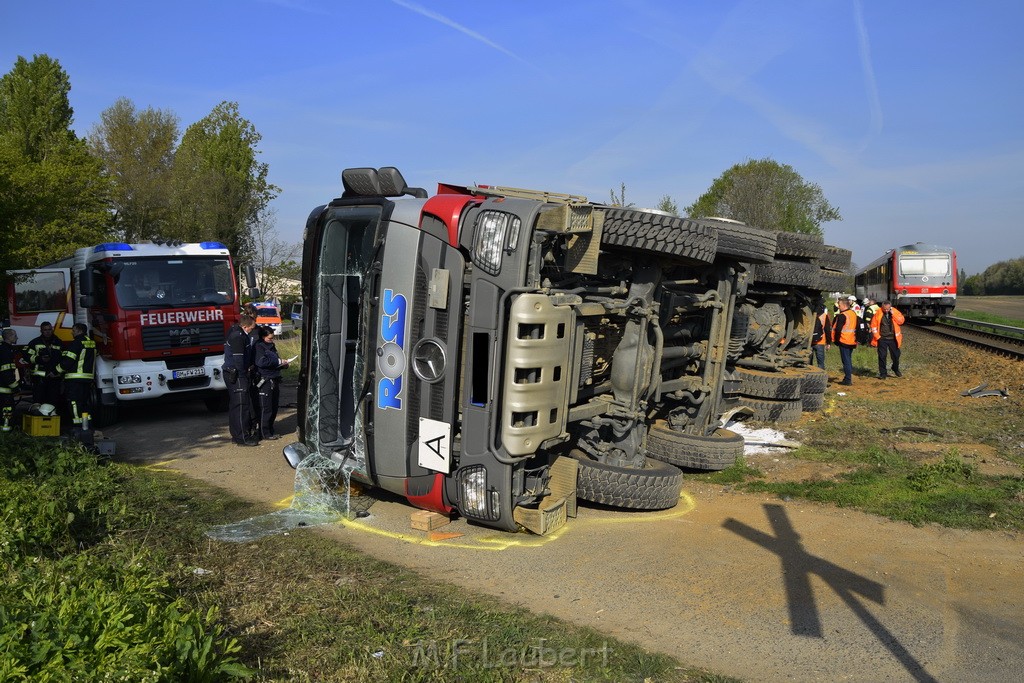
<point>505,541</point>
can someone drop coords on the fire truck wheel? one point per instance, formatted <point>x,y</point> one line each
<point>103,415</point>
<point>714,452</point>
<point>772,410</point>
<point>765,384</point>
<point>743,242</point>
<point>655,486</point>
<point>659,234</point>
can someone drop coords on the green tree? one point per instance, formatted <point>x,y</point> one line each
<point>137,150</point>
<point>668,205</point>
<point>53,195</point>
<point>766,194</point>
<point>220,189</point>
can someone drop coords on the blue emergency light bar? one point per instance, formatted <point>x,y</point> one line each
<point>112,246</point>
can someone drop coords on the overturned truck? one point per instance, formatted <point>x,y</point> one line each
<point>499,352</point>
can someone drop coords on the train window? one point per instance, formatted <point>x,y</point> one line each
<point>934,266</point>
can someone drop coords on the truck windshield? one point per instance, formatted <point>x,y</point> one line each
<point>341,308</point>
<point>161,281</point>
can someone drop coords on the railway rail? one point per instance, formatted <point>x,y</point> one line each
<point>1003,340</point>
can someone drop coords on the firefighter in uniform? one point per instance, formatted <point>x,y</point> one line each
<point>269,365</point>
<point>238,359</point>
<point>8,378</point>
<point>78,367</point>
<point>44,354</point>
<point>844,335</point>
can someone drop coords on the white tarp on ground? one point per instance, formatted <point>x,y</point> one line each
<point>761,440</point>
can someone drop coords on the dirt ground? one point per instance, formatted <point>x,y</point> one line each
<point>745,585</point>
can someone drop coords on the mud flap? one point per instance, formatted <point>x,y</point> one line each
<point>553,511</point>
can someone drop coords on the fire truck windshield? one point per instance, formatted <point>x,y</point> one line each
<point>171,282</point>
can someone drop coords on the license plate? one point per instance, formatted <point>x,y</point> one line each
<point>189,372</point>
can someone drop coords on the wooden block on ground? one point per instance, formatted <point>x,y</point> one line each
<point>425,520</point>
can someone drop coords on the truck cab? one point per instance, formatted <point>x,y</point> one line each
<point>500,352</point>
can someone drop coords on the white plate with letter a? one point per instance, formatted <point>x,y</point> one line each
<point>435,445</point>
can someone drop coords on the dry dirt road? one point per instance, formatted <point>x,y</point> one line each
<point>745,585</point>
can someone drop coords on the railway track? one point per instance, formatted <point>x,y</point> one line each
<point>999,339</point>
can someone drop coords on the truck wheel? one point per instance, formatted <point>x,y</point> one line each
<point>800,245</point>
<point>655,486</point>
<point>218,403</point>
<point>103,415</point>
<point>659,234</point>
<point>814,381</point>
<point>835,258</point>
<point>772,410</point>
<point>812,403</point>
<point>765,384</point>
<point>833,281</point>
<point>715,452</point>
<point>743,242</point>
<point>794,273</point>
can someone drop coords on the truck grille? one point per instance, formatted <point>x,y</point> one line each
<point>182,336</point>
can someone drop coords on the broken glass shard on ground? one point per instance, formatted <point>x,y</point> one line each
<point>322,496</point>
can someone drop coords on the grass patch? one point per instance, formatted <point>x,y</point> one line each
<point>287,347</point>
<point>106,571</point>
<point>987,318</point>
<point>949,492</point>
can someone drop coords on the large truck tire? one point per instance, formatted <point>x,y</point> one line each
<point>655,233</point>
<point>103,415</point>
<point>814,381</point>
<point>765,384</point>
<point>715,452</point>
<point>833,281</point>
<point>772,410</point>
<point>799,245</point>
<point>812,403</point>
<point>743,242</point>
<point>655,486</point>
<point>835,258</point>
<point>780,272</point>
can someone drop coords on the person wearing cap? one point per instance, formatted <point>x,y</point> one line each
<point>844,335</point>
<point>887,336</point>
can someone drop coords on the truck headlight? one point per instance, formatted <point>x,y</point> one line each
<point>129,379</point>
<point>492,227</point>
<point>473,492</point>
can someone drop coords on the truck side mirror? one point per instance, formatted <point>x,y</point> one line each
<point>250,281</point>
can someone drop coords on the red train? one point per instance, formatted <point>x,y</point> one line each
<point>919,279</point>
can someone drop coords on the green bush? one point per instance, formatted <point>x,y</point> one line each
<point>76,601</point>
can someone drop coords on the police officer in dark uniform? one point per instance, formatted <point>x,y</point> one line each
<point>8,377</point>
<point>78,367</point>
<point>44,354</point>
<point>269,365</point>
<point>238,359</point>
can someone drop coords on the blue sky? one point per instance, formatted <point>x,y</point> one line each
<point>909,115</point>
